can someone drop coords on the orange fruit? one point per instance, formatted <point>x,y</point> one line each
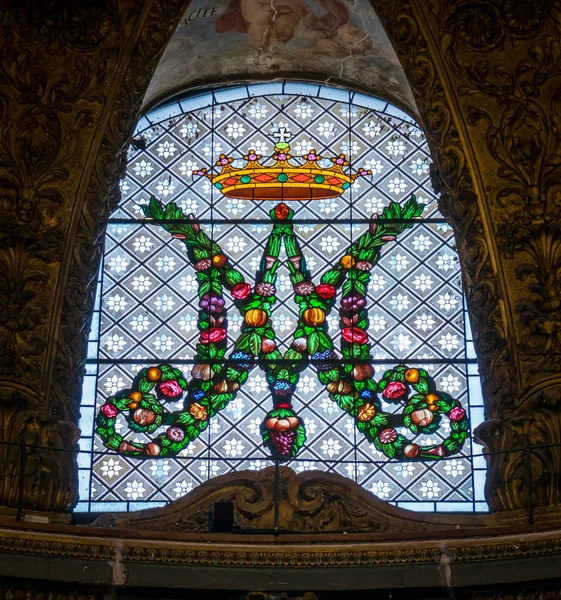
<point>412,375</point>
<point>347,261</point>
<point>154,374</point>
<point>219,260</point>
<point>313,316</point>
<point>431,398</point>
<point>256,317</point>
<point>135,396</point>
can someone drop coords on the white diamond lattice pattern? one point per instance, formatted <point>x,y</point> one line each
<point>147,300</point>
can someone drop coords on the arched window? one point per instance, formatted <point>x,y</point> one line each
<point>255,310</point>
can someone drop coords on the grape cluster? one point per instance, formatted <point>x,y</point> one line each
<point>352,304</point>
<point>212,303</point>
<point>325,355</point>
<point>242,360</point>
<point>282,388</point>
<point>283,441</point>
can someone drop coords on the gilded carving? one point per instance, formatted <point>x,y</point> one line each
<point>26,592</point>
<point>57,62</point>
<point>499,64</point>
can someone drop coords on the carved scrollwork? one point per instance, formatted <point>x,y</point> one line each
<point>512,104</point>
<point>310,502</point>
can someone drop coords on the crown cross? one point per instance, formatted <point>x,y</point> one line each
<point>282,135</point>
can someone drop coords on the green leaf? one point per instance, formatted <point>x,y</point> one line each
<point>255,344</point>
<point>243,341</point>
<point>204,288</point>
<point>155,208</point>
<point>232,276</point>
<point>324,340</point>
<point>313,342</point>
<point>331,277</point>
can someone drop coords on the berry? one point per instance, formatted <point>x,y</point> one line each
<point>283,441</point>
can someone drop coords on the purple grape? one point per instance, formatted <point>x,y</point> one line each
<point>283,441</point>
<point>212,303</point>
<point>352,304</point>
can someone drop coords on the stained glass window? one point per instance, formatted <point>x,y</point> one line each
<point>341,294</point>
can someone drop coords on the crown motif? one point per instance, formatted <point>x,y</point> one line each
<point>282,180</point>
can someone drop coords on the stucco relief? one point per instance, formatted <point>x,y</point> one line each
<point>336,40</point>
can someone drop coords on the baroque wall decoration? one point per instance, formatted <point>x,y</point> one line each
<point>486,78</point>
<point>499,65</point>
<point>56,80</point>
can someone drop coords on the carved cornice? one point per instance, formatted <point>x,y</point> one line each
<point>237,552</point>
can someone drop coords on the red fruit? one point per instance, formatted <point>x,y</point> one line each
<point>394,390</point>
<point>152,449</point>
<point>126,447</point>
<point>170,389</point>
<point>214,335</point>
<point>353,335</point>
<point>144,417</point>
<point>219,260</point>
<point>411,451</point>
<point>281,211</point>
<point>325,291</point>
<point>422,417</point>
<point>109,410</point>
<point>457,413</point>
<point>241,291</point>
<point>267,345</point>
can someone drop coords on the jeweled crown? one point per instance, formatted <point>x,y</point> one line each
<point>282,180</point>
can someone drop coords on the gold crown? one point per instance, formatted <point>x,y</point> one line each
<point>283,180</point>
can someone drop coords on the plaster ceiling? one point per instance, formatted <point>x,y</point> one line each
<point>334,41</point>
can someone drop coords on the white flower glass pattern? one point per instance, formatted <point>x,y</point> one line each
<point>147,305</point>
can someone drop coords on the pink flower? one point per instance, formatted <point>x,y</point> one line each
<point>241,291</point>
<point>304,288</point>
<point>203,265</point>
<point>325,291</point>
<point>170,389</point>
<point>265,289</point>
<point>394,389</point>
<point>353,335</point>
<point>109,410</point>
<point>175,434</point>
<point>457,413</point>
<point>214,335</point>
<point>363,265</point>
<point>387,436</point>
